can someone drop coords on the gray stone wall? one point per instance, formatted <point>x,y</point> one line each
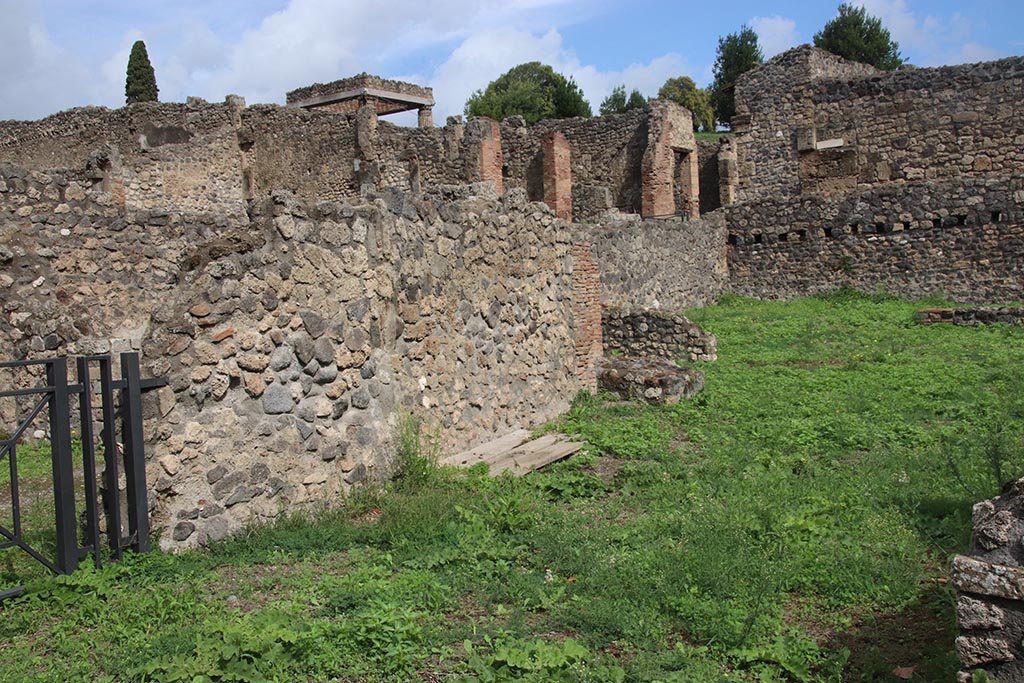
<point>962,240</point>
<point>671,265</point>
<point>969,317</point>
<point>811,123</point>
<point>151,156</point>
<point>989,582</point>
<point>295,341</point>
<point>646,332</point>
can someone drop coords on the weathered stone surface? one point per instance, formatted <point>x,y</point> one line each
<point>277,399</point>
<point>982,650</point>
<point>182,530</point>
<point>983,578</point>
<point>978,614</point>
<point>646,332</point>
<point>648,379</point>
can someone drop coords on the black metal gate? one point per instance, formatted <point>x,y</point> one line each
<point>118,399</point>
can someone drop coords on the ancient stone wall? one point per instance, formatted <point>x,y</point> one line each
<point>969,317</point>
<point>150,156</point>
<point>649,263</point>
<point>605,153</point>
<point>963,240</point>
<point>293,342</point>
<point>809,122</point>
<point>989,581</point>
<point>647,332</point>
<point>311,153</point>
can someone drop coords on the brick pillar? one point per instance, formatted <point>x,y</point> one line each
<point>557,174</point>
<point>426,117</point>
<point>490,156</point>
<point>657,169</point>
<point>586,313</point>
<point>483,164</point>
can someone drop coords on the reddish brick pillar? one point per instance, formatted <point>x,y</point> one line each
<point>557,174</point>
<point>586,312</point>
<point>488,133</point>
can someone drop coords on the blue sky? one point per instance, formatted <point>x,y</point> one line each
<point>64,53</point>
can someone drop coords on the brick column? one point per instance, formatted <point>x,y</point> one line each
<point>483,164</point>
<point>586,313</point>
<point>557,174</point>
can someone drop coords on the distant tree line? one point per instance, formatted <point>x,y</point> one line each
<point>536,91</point>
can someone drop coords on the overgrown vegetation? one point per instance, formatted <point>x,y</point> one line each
<point>792,523</point>
<point>532,90</point>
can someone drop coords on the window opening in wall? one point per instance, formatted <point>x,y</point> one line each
<point>997,216</point>
<point>961,220</point>
<point>854,229</point>
<point>801,235</point>
<point>734,240</point>
<point>757,238</point>
<point>783,236</point>
<point>882,228</point>
<point>683,190</point>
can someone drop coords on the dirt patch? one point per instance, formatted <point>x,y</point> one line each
<point>915,644</point>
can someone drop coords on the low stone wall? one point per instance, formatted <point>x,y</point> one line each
<point>293,343</point>
<point>655,333</point>
<point>990,590</point>
<point>670,265</point>
<point>962,240</point>
<point>1008,315</point>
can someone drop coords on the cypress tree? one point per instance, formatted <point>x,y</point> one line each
<point>140,85</point>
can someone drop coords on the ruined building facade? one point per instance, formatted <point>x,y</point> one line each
<point>306,275</point>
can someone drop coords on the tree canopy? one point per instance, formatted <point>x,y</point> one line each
<point>140,84</point>
<point>684,92</point>
<point>856,35</point>
<point>738,53</point>
<point>617,102</point>
<point>532,90</point>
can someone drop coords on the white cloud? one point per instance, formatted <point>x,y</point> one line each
<point>938,40</point>
<point>774,34</point>
<point>39,76</point>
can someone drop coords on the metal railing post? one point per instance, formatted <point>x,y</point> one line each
<point>63,465</point>
<point>134,451</point>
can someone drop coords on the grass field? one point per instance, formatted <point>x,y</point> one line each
<point>794,522</point>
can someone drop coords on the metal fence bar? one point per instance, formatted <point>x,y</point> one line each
<point>12,453</point>
<point>92,517</point>
<point>111,496</point>
<point>134,455</point>
<point>63,466</point>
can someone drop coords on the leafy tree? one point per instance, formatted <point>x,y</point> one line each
<point>140,85</point>
<point>616,103</point>
<point>738,53</point>
<point>857,35</point>
<point>683,91</point>
<point>532,90</point>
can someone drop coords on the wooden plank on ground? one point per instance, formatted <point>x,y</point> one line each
<point>488,450</point>
<point>525,460</point>
<point>514,452</point>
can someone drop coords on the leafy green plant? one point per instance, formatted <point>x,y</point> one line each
<point>253,649</point>
<point>511,659</point>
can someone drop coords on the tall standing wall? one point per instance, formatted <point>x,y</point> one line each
<point>294,342</point>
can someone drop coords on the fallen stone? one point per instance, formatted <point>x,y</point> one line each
<point>653,380</point>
